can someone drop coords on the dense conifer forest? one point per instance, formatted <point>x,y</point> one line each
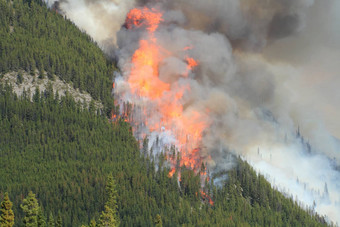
<point>65,164</point>
<point>32,37</point>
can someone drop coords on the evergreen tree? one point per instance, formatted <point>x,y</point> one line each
<point>31,209</point>
<point>112,195</point>
<point>51,222</point>
<point>109,216</point>
<point>20,78</point>
<point>6,212</point>
<point>36,96</point>
<point>158,221</point>
<point>41,219</point>
<point>93,223</point>
<point>59,222</point>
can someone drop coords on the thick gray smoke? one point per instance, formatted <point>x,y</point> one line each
<point>266,84</point>
<point>247,24</point>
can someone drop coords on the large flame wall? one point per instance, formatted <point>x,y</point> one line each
<point>159,104</point>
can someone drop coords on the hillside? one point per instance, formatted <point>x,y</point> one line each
<point>34,38</point>
<point>63,150</point>
<point>63,153</point>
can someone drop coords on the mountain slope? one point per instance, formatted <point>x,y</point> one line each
<point>63,151</point>
<point>35,38</point>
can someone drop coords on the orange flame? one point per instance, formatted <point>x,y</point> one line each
<point>144,79</point>
<point>167,98</point>
<point>172,172</point>
<point>148,17</point>
<point>206,196</point>
<point>191,63</point>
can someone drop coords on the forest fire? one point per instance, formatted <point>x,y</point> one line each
<point>207,197</point>
<point>158,103</point>
<point>206,82</point>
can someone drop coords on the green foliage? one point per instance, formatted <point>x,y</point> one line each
<point>59,222</point>
<point>20,78</point>
<point>51,222</point>
<point>109,217</point>
<point>93,223</point>
<point>6,212</point>
<point>158,221</point>
<point>41,218</point>
<point>31,209</point>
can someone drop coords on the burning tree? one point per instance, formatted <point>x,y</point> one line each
<point>156,106</point>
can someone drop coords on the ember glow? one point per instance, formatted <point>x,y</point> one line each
<point>159,104</point>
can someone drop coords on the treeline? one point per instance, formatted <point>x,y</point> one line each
<point>63,152</point>
<point>34,38</point>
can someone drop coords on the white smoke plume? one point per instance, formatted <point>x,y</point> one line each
<point>100,19</point>
<point>266,84</point>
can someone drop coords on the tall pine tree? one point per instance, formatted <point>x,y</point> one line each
<point>59,222</point>
<point>158,221</point>
<point>6,213</point>
<point>41,218</point>
<point>31,209</point>
<point>51,222</point>
<point>109,217</point>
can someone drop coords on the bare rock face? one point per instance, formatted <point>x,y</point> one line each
<point>23,81</point>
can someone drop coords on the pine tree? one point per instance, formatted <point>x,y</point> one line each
<point>36,96</point>
<point>59,222</point>
<point>20,78</point>
<point>41,219</point>
<point>109,217</point>
<point>112,195</point>
<point>31,209</point>
<point>93,223</point>
<point>158,221</point>
<point>7,215</point>
<point>51,222</point>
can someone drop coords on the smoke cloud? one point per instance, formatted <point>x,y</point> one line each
<point>100,19</point>
<point>266,83</point>
<point>247,24</point>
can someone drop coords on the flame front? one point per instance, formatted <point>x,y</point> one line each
<point>158,104</point>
